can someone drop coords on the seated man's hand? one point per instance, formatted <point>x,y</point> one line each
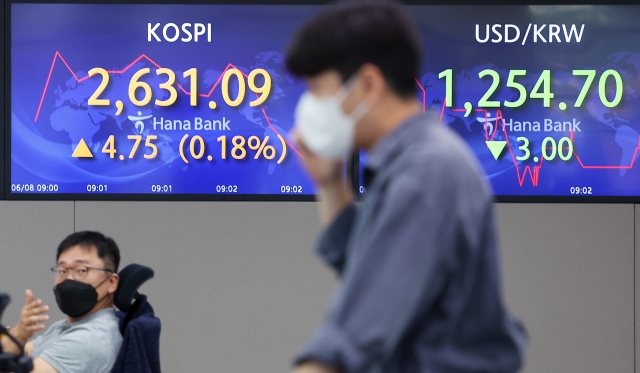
<point>31,318</point>
<point>28,348</point>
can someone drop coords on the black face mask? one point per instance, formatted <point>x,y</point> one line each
<point>75,299</point>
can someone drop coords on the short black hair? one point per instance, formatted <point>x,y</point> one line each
<point>350,34</point>
<point>107,248</point>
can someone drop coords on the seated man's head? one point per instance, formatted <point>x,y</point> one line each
<point>86,273</point>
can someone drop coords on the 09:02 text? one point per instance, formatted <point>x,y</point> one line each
<point>581,190</point>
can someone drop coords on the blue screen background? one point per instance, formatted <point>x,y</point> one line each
<point>606,144</point>
<point>50,43</point>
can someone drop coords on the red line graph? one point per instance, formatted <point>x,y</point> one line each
<point>424,96</point>
<point>534,171</point>
<point>79,80</point>
<point>633,159</point>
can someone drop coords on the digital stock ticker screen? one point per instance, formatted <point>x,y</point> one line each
<point>545,96</point>
<point>154,99</point>
<point>194,100</point>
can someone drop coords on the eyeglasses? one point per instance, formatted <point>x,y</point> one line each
<point>77,272</point>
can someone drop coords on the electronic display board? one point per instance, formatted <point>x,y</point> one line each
<point>546,96</point>
<point>126,99</point>
<point>193,101</point>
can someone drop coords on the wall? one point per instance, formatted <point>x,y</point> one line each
<point>569,274</point>
<point>238,288</point>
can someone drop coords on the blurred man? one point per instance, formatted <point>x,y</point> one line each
<point>418,258</point>
<point>85,279</point>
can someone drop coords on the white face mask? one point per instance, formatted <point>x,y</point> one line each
<point>323,127</point>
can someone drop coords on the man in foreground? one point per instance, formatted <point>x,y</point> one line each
<point>418,258</point>
<point>85,280</point>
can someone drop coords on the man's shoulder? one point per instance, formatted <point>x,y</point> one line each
<point>104,322</point>
<point>52,332</point>
<point>427,165</point>
<point>60,324</point>
<point>84,345</point>
<point>436,166</point>
<point>100,330</point>
<point>440,155</point>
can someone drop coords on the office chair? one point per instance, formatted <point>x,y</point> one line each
<point>11,362</point>
<point>139,327</point>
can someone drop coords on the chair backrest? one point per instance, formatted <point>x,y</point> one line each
<point>140,329</point>
<point>131,278</point>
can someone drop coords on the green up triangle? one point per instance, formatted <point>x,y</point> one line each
<point>496,147</point>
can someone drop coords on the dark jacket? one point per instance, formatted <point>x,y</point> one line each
<point>140,351</point>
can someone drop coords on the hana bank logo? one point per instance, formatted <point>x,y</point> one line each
<point>139,121</point>
<point>488,123</point>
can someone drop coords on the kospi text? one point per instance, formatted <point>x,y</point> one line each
<point>171,32</point>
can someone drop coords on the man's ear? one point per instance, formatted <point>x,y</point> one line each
<point>373,82</point>
<point>113,283</point>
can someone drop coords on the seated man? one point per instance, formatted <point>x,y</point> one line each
<point>89,339</point>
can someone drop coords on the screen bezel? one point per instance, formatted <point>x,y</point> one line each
<point>353,163</point>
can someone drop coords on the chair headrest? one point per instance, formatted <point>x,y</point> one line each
<point>131,278</point>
